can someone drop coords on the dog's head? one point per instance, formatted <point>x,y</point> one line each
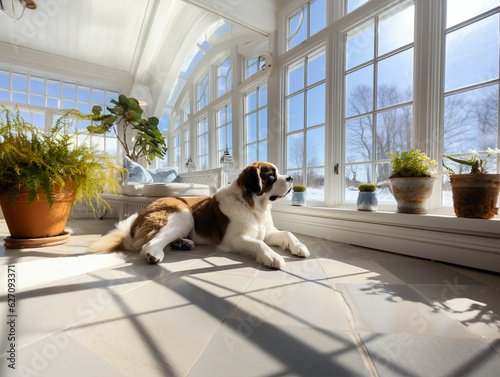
<point>263,180</point>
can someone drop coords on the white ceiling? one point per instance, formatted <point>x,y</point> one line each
<point>118,41</point>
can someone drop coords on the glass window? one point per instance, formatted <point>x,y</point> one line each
<point>353,4</point>
<point>306,21</point>
<point>378,99</point>
<point>471,92</point>
<point>255,125</point>
<point>305,123</point>
<point>224,131</point>
<point>203,145</point>
<point>187,144</point>
<point>224,77</point>
<point>177,151</point>
<point>203,92</point>
<point>255,65</point>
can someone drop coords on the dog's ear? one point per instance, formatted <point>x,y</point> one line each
<point>250,178</point>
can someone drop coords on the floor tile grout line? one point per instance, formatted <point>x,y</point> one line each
<point>365,355</point>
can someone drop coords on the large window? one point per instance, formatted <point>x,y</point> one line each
<point>224,130</point>
<point>306,21</point>
<point>378,100</point>
<point>177,151</point>
<point>471,83</point>
<point>255,116</point>
<point>203,145</point>
<point>52,95</point>
<point>305,123</point>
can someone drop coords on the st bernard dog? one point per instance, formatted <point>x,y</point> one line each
<point>236,218</point>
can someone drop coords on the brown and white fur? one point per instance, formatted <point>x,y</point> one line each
<point>236,218</point>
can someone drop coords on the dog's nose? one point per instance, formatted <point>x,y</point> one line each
<point>289,179</point>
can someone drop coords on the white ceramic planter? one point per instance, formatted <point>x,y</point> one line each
<point>299,198</point>
<point>412,193</point>
<point>367,201</point>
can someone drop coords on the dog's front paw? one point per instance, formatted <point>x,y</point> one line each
<point>152,255</point>
<point>300,250</point>
<point>153,259</point>
<point>273,260</point>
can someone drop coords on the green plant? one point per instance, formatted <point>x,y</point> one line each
<point>367,187</point>
<point>477,164</point>
<point>299,188</point>
<point>34,160</point>
<point>412,163</point>
<point>147,142</point>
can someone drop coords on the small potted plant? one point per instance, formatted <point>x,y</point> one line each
<point>412,179</point>
<point>475,194</point>
<point>367,197</point>
<point>299,195</point>
<point>42,174</point>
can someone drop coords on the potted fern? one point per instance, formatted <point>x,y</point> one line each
<point>42,174</point>
<point>367,197</point>
<point>299,195</point>
<point>412,179</point>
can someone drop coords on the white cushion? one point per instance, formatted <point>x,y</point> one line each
<point>167,189</point>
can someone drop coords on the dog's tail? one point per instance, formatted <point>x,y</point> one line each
<point>114,239</point>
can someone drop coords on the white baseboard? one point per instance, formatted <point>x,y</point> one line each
<point>467,242</point>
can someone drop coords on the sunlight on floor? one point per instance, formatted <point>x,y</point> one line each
<point>344,311</point>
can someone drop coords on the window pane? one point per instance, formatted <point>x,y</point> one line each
<point>382,174</point>
<point>19,97</point>
<point>472,54</point>
<point>39,120</point>
<point>221,116</point>
<point>263,124</point>
<point>360,46</point>
<point>298,179</point>
<point>251,102</point>
<point>298,28</point>
<point>37,85</point>
<point>393,131</point>
<point>295,78</point>
<point>98,96</point>
<point>354,175</point>
<point>263,151</point>
<point>111,146</point>
<point>315,147</point>
<point>359,91</point>
<point>263,96</point>
<point>221,138</point>
<point>251,153</point>
<point>111,95</point>
<point>37,100</point>
<point>315,184</point>
<point>229,113</point>
<point>19,82</point>
<point>4,80</point>
<point>251,128</point>
<point>84,107</point>
<point>163,125</point>
<point>353,4</point>
<point>316,106</point>
<point>83,94</point>
<point>396,31</point>
<point>53,102</point>
<point>4,95</point>
<point>471,120</point>
<point>295,151</point>
<point>358,139</point>
<point>68,104</point>
<point>229,141</point>
<point>69,91</point>
<point>316,69</point>
<point>295,112</point>
<point>54,88</point>
<point>395,79</point>
<point>318,16</point>
<point>461,10</point>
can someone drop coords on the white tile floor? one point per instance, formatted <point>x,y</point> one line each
<point>345,311</point>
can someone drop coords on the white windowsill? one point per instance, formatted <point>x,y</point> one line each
<point>463,241</point>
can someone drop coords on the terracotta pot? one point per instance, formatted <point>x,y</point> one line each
<point>411,193</point>
<point>475,195</point>
<point>37,220</point>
